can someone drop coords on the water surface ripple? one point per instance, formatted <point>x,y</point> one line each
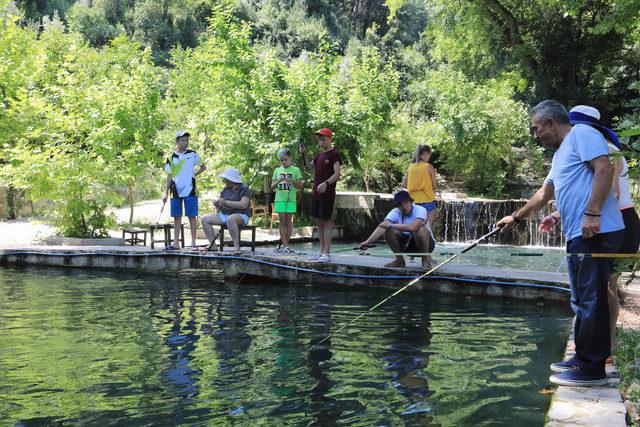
<point>111,348</point>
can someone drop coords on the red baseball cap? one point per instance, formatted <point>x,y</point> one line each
<point>324,132</point>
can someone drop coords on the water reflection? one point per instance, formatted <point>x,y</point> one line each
<point>110,348</point>
<point>407,360</point>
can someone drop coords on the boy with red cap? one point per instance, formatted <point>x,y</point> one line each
<point>327,173</point>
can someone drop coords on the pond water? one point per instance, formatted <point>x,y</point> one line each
<point>114,348</point>
<point>538,258</point>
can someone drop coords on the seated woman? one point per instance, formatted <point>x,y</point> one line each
<point>233,207</point>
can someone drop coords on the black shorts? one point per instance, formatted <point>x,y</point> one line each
<point>631,240</point>
<point>408,243</point>
<point>321,209</point>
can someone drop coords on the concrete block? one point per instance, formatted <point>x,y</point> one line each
<point>74,241</point>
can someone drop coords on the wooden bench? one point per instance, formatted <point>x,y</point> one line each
<point>133,234</point>
<point>167,239</point>
<point>251,243</point>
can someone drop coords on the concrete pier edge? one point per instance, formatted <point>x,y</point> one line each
<point>343,270</point>
<point>592,406</point>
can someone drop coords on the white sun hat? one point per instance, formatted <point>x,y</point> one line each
<point>232,174</point>
<point>585,109</point>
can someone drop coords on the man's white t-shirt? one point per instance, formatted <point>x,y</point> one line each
<point>417,212</point>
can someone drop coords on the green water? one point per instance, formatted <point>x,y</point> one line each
<point>523,258</point>
<point>113,348</point>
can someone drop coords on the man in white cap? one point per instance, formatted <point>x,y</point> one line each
<point>580,182</point>
<point>181,180</point>
<point>233,207</point>
<point>584,114</point>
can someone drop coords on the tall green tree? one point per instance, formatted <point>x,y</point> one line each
<point>554,45</point>
<point>90,122</point>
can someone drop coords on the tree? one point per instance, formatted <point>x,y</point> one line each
<point>473,127</point>
<point>91,117</point>
<point>555,46</point>
<point>245,103</point>
<point>91,23</point>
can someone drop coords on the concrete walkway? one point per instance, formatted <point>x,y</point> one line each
<point>588,406</point>
<point>347,270</point>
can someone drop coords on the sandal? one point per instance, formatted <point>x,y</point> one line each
<point>396,263</point>
<point>171,248</point>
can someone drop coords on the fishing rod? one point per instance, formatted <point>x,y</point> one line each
<point>411,283</point>
<point>527,254</point>
<point>164,202</point>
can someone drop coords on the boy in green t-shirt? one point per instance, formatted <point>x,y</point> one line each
<point>285,181</point>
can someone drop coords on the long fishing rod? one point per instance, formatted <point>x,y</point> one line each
<point>411,283</point>
<point>527,254</point>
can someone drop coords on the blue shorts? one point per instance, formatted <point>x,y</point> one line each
<point>190,206</point>
<point>225,217</point>
<point>431,206</point>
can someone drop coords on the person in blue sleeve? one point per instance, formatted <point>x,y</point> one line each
<point>580,181</point>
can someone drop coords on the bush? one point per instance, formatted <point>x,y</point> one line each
<point>91,23</point>
<point>83,214</point>
<point>628,363</point>
<point>473,126</point>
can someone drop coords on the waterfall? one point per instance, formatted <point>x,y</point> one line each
<point>465,221</point>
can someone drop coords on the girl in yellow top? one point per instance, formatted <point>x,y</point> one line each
<point>420,181</point>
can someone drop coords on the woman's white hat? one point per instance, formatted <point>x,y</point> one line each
<point>232,174</point>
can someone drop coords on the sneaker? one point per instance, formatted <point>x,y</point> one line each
<point>564,366</point>
<point>287,250</point>
<point>314,257</point>
<point>278,249</point>
<point>324,258</point>
<point>575,377</point>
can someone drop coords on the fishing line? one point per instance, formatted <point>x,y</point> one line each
<point>411,283</point>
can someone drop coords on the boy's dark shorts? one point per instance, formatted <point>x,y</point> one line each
<point>408,243</point>
<point>322,209</point>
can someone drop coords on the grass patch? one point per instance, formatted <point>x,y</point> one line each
<point>628,363</point>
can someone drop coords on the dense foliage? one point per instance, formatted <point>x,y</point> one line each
<point>92,91</point>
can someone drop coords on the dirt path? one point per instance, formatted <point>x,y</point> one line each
<point>24,232</point>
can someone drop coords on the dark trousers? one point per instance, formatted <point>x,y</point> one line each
<point>589,279</point>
